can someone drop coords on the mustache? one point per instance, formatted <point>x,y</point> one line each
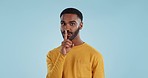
<point>74,34</point>
<point>63,32</point>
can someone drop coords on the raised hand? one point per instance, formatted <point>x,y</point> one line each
<point>66,44</point>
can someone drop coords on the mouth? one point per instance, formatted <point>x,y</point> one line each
<point>69,35</point>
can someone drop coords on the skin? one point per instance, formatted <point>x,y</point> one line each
<point>70,23</point>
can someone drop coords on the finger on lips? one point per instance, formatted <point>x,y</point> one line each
<point>65,35</point>
<point>67,43</point>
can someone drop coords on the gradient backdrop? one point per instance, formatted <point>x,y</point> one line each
<point>116,28</point>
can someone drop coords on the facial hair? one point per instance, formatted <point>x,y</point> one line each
<point>74,34</point>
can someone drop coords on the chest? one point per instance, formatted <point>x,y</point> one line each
<point>78,66</point>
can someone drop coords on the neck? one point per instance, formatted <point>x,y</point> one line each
<point>77,41</point>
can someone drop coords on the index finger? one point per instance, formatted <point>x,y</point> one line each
<point>65,35</point>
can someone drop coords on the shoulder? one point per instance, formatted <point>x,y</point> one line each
<point>93,52</point>
<point>54,52</point>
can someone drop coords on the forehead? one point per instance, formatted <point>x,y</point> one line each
<point>69,17</point>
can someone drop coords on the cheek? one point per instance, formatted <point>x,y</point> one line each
<point>74,29</point>
<point>61,28</point>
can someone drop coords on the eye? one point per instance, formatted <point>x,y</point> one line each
<point>62,23</point>
<point>72,24</point>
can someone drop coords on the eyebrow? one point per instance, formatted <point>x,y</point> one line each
<point>72,21</point>
<point>69,21</point>
<point>62,21</point>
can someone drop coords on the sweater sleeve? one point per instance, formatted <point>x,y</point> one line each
<point>55,68</point>
<point>98,68</point>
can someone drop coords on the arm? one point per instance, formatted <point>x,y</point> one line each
<point>98,68</point>
<point>55,69</point>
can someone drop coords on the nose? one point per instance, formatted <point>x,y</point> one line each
<point>67,27</point>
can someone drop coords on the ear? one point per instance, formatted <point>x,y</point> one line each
<point>81,25</point>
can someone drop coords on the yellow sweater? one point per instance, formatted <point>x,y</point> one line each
<point>81,61</point>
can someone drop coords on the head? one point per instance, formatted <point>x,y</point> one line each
<point>71,20</point>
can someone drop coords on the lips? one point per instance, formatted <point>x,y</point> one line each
<point>69,34</point>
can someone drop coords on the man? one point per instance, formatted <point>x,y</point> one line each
<point>74,58</point>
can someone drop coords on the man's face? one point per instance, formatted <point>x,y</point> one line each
<point>71,23</point>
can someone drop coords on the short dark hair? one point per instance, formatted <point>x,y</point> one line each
<point>72,11</point>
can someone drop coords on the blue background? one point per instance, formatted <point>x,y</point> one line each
<point>116,28</point>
